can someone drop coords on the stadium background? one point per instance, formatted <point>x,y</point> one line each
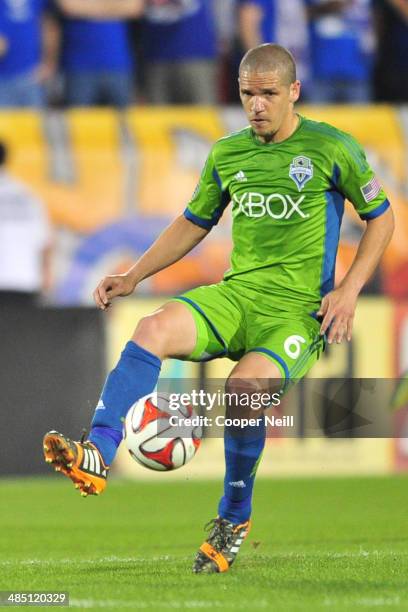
<point>330,512</point>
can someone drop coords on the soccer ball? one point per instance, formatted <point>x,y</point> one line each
<point>155,442</point>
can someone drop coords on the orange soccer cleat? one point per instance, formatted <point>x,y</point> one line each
<point>219,551</point>
<point>80,461</point>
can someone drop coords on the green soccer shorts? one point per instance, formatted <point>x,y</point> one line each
<point>233,320</point>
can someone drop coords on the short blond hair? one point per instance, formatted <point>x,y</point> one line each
<point>270,58</point>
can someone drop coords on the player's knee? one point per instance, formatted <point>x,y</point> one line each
<point>238,385</point>
<point>152,333</point>
<point>246,394</point>
<point>239,393</point>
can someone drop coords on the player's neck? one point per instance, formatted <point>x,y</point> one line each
<point>288,127</point>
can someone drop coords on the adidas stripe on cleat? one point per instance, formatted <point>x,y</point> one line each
<point>219,551</point>
<point>79,461</point>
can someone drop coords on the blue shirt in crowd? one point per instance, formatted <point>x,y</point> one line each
<point>20,25</point>
<point>95,46</point>
<point>284,22</point>
<point>268,23</point>
<point>342,43</point>
<point>179,30</point>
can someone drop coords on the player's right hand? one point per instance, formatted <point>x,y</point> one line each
<point>118,285</point>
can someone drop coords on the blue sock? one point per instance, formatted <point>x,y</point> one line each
<point>242,453</point>
<point>135,375</point>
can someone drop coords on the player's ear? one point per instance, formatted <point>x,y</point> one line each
<point>294,91</point>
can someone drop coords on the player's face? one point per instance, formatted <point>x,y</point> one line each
<point>267,101</point>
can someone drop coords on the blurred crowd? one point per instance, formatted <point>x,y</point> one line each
<point>121,52</point>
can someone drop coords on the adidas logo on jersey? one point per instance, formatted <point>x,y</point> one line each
<point>240,176</point>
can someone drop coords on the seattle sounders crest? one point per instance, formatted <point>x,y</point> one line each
<point>301,171</point>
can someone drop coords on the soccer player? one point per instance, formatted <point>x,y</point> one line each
<point>286,178</point>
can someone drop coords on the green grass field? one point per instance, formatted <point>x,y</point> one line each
<point>321,544</point>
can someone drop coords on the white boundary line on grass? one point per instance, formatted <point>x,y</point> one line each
<point>292,555</point>
<point>174,604</point>
<point>369,602</point>
<point>111,559</point>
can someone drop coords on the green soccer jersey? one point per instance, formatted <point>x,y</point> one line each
<point>287,204</point>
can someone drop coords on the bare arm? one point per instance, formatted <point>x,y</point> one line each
<point>3,45</point>
<point>330,7</point>
<point>338,306</point>
<point>249,24</point>
<point>178,239</point>
<point>102,9</point>
<point>372,245</point>
<point>174,242</point>
<point>401,6</point>
<point>46,267</point>
<point>50,47</point>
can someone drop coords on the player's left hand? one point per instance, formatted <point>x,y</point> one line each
<point>337,309</point>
